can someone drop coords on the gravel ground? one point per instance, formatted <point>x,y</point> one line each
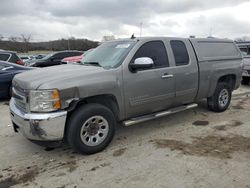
<point>194,148</point>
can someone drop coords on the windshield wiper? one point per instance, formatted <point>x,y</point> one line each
<point>92,63</point>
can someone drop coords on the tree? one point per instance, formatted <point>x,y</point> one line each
<point>14,43</point>
<point>26,40</point>
<point>1,37</point>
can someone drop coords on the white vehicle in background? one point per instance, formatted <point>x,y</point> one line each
<point>245,49</point>
<point>25,58</point>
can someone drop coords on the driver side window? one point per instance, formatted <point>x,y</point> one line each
<point>156,51</point>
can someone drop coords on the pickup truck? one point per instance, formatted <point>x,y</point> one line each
<point>123,81</point>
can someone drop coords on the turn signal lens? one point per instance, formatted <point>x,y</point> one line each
<point>56,97</point>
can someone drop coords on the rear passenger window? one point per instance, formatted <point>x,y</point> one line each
<point>156,51</point>
<point>4,57</point>
<point>180,52</point>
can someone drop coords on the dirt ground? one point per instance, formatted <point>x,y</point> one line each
<point>194,148</point>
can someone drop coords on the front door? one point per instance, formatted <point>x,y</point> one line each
<point>153,89</point>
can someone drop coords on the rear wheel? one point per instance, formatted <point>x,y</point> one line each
<point>245,80</point>
<point>221,98</point>
<point>91,128</point>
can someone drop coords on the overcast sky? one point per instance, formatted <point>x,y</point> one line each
<point>54,19</point>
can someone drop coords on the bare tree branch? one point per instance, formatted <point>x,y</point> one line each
<point>26,40</point>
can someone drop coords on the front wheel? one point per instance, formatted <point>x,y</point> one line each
<point>91,128</point>
<point>221,98</point>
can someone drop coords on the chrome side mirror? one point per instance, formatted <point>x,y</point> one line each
<point>142,63</point>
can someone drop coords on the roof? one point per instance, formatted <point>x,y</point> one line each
<point>170,38</point>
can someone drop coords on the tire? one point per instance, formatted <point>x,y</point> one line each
<point>221,98</point>
<point>245,80</point>
<point>91,128</point>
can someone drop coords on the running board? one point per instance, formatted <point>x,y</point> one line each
<point>158,114</point>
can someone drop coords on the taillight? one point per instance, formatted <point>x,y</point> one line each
<point>20,62</point>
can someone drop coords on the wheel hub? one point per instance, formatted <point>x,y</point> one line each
<point>94,131</point>
<point>223,98</point>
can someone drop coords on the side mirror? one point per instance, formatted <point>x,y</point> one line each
<point>142,63</point>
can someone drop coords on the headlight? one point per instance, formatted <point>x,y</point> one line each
<point>44,100</point>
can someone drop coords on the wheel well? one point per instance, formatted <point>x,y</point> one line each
<point>107,100</point>
<point>230,79</point>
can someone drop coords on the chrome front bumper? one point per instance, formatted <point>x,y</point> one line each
<point>38,126</point>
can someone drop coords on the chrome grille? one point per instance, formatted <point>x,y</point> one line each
<point>19,96</point>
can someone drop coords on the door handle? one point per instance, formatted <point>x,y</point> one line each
<point>167,76</point>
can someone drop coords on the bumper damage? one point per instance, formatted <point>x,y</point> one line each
<point>38,126</point>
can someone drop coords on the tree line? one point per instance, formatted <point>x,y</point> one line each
<point>23,44</point>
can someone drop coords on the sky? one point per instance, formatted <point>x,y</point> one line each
<point>92,19</point>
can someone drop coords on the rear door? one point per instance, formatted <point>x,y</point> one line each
<point>186,71</point>
<point>153,89</point>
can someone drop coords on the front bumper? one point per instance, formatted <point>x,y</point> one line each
<point>38,126</point>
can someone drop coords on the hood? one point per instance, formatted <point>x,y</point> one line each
<point>56,76</point>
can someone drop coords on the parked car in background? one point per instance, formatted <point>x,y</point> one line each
<point>25,58</point>
<point>75,59</point>
<point>39,56</point>
<point>128,81</point>
<point>54,58</point>
<point>245,49</point>
<point>72,60</point>
<point>246,71</point>
<point>7,72</point>
<point>11,57</point>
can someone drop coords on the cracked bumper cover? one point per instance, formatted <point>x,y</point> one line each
<point>38,126</point>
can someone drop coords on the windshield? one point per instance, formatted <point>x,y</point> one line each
<point>109,54</point>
